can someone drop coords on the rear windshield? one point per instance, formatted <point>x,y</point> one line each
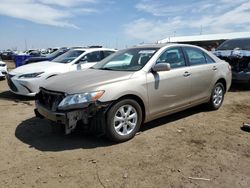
<point>243,44</point>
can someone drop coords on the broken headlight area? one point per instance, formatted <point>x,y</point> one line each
<point>72,110</point>
<point>81,100</point>
<point>91,118</point>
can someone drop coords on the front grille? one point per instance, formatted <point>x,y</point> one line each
<point>10,83</point>
<point>49,99</point>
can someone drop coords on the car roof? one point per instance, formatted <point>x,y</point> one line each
<point>92,49</point>
<point>161,45</point>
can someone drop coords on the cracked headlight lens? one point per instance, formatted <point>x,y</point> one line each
<point>78,100</point>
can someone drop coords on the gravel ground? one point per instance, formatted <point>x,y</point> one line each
<point>170,152</point>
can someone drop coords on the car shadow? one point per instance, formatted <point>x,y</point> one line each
<point>7,95</point>
<point>174,117</point>
<point>37,133</point>
<point>239,88</point>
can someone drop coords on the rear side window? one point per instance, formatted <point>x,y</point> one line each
<point>195,56</point>
<point>208,58</point>
<point>173,56</point>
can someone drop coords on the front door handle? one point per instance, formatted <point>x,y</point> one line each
<point>186,74</point>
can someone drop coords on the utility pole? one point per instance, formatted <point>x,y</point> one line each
<point>25,44</point>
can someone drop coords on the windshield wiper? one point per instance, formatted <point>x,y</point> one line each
<point>105,68</point>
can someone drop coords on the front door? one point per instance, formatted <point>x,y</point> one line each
<point>169,90</point>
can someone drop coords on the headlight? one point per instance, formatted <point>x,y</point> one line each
<point>78,100</point>
<point>31,75</point>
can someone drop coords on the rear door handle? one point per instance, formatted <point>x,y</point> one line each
<point>186,74</point>
<point>214,68</point>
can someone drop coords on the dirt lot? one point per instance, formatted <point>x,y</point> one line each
<point>167,152</point>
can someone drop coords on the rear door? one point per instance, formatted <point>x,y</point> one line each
<point>169,90</point>
<point>202,73</point>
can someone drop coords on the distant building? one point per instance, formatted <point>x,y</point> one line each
<point>206,41</point>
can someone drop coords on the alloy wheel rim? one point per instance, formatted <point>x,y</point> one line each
<point>217,96</point>
<point>125,120</point>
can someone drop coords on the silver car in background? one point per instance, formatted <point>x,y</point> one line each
<point>134,86</point>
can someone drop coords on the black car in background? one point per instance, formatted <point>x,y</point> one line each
<point>7,55</point>
<point>47,57</point>
<point>237,53</point>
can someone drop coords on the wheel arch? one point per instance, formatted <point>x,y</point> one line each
<point>223,81</point>
<point>138,100</point>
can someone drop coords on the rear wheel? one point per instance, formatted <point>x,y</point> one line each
<point>217,96</point>
<point>123,120</point>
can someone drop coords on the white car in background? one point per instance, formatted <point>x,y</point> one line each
<point>26,80</point>
<point>3,69</point>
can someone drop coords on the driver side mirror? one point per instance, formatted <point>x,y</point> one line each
<point>161,67</point>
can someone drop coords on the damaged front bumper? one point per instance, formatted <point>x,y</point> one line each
<point>93,115</point>
<point>240,63</point>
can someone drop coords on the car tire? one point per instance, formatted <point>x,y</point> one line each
<point>123,120</point>
<point>217,96</point>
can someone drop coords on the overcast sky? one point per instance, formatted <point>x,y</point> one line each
<point>115,23</point>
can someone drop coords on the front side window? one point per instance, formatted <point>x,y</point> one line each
<point>107,53</point>
<point>173,56</point>
<point>93,56</point>
<point>195,56</point>
<point>68,56</point>
<point>132,59</point>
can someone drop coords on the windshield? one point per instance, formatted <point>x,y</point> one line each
<point>55,54</point>
<point>243,44</point>
<point>132,59</point>
<point>68,57</point>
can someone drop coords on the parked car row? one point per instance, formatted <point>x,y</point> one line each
<point>27,79</point>
<point>47,57</point>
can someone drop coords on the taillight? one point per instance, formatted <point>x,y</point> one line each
<point>229,68</point>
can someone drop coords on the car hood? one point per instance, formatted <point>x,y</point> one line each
<point>44,66</point>
<point>38,58</point>
<point>84,80</point>
<point>232,53</point>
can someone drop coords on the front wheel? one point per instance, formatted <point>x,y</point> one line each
<point>123,120</point>
<point>217,96</point>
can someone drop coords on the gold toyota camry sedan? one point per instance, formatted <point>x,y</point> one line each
<point>133,86</point>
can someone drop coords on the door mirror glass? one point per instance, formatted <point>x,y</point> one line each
<point>159,67</point>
